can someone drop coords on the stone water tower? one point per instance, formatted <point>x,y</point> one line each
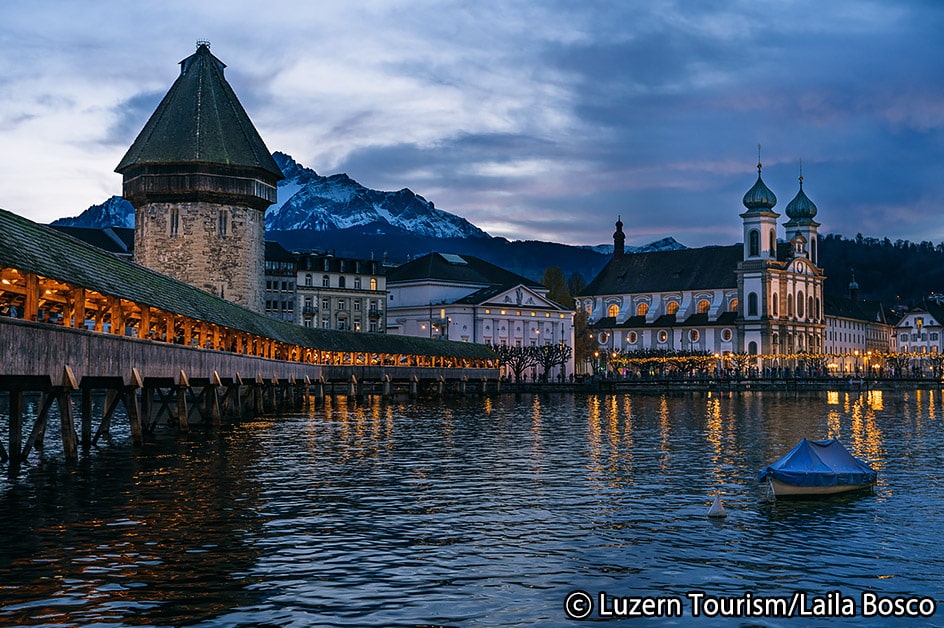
<point>200,179</point>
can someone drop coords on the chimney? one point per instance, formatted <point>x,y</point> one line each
<point>619,239</point>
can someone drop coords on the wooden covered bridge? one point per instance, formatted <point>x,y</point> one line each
<point>76,318</point>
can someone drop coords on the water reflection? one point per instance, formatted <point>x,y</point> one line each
<point>485,511</point>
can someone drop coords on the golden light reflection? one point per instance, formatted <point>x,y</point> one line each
<point>832,397</point>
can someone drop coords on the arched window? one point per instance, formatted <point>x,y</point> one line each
<point>800,300</point>
<point>308,280</point>
<point>789,305</point>
<point>642,309</point>
<point>325,281</point>
<point>775,304</point>
<point>809,309</point>
<point>733,305</point>
<point>341,282</point>
<point>752,304</point>
<point>373,283</point>
<point>752,348</point>
<point>813,251</point>
<point>703,306</point>
<point>773,242</point>
<point>819,314</point>
<point>612,311</point>
<point>754,243</point>
<point>672,308</point>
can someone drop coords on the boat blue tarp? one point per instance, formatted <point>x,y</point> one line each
<point>819,463</point>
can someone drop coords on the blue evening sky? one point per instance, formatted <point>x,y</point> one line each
<point>534,120</point>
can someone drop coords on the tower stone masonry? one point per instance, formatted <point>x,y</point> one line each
<point>200,179</point>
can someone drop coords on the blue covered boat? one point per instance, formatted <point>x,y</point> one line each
<point>817,467</point>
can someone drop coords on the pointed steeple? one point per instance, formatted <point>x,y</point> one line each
<point>619,239</point>
<point>200,122</point>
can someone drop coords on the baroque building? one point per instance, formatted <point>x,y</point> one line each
<point>341,293</point>
<point>200,179</point>
<point>763,297</point>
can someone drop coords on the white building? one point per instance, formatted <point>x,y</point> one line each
<point>464,298</point>
<point>857,333</point>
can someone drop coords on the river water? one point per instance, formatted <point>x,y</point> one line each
<point>482,512</point>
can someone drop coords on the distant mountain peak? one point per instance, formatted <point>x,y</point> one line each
<point>665,244</point>
<point>115,212</point>
<point>307,200</point>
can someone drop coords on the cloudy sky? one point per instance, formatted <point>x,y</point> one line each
<point>534,120</point>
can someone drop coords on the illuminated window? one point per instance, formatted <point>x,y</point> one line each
<point>642,309</point>
<point>663,336</point>
<point>704,306</point>
<point>726,335</point>
<point>373,283</point>
<point>672,308</point>
<point>733,305</point>
<point>631,337</point>
<point>693,335</point>
<point>612,311</point>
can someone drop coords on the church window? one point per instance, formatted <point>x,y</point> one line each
<point>775,303</point>
<point>631,337</point>
<point>773,243</point>
<point>813,250</point>
<point>754,239</point>
<point>693,335</point>
<point>789,305</point>
<point>663,336</point>
<point>703,306</point>
<point>612,311</point>
<point>752,304</point>
<point>642,309</point>
<point>726,335</point>
<point>174,222</point>
<point>800,300</point>
<point>672,308</point>
<point>752,348</point>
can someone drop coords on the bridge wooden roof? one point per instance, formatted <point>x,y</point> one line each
<point>38,249</point>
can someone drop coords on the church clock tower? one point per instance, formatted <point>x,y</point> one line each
<point>200,179</point>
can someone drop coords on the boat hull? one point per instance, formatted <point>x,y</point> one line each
<point>781,489</point>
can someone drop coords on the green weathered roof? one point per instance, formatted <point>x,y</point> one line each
<point>33,248</point>
<point>200,121</point>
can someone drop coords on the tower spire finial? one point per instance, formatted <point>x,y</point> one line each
<point>758,159</point>
<point>801,172</point>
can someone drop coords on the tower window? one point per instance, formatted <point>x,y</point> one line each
<point>754,238</point>
<point>174,222</point>
<point>222,223</point>
<point>752,304</point>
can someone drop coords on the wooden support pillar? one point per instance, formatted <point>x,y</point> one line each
<point>387,387</point>
<point>213,399</point>
<point>352,387</point>
<point>484,385</point>
<point>144,329</point>
<point>77,307</point>
<point>258,390</point>
<point>463,385</point>
<point>183,384</point>
<point>320,389</point>
<point>414,386</point>
<point>30,302</point>
<point>64,396</point>
<point>131,407</point>
<point>441,387</point>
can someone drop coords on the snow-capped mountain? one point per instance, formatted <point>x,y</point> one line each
<point>115,212</point>
<point>665,244</point>
<point>307,200</point>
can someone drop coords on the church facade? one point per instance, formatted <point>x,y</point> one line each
<point>763,297</point>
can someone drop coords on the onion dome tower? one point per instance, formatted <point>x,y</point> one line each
<point>760,220</point>
<point>801,211</point>
<point>200,179</point>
